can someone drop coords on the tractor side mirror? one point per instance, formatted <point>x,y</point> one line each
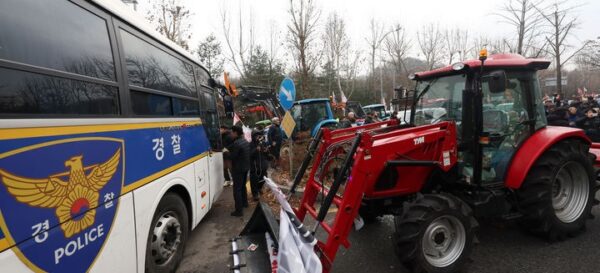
<point>496,81</point>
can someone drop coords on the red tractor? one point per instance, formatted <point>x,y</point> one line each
<point>482,150</point>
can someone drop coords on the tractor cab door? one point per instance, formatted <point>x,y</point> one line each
<point>512,116</point>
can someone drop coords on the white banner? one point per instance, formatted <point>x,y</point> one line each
<point>296,251</point>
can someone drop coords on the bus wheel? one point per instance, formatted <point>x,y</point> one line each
<point>168,233</point>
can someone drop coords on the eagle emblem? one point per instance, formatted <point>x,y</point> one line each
<point>73,199</point>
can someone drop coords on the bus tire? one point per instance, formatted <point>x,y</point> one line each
<point>169,231</point>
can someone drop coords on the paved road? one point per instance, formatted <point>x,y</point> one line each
<point>502,248</point>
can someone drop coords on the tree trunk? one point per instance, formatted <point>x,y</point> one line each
<point>557,54</point>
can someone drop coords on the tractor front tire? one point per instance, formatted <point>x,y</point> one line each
<point>435,234</point>
<point>557,195</point>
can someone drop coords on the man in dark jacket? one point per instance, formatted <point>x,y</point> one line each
<point>348,121</point>
<point>590,124</point>
<point>239,152</point>
<point>557,116</point>
<point>226,140</point>
<point>258,162</point>
<point>275,139</point>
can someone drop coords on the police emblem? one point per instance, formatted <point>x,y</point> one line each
<point>68,192</point>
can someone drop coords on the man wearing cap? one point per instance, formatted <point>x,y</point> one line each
<point>275,139</point>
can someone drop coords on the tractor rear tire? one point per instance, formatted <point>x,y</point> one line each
<point>557,195</point>
<point>435,234</point>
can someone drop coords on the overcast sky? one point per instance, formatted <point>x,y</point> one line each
<point>474,15</point>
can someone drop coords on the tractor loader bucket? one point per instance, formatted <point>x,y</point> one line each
<point>250,250</point>
<point>260,249</point>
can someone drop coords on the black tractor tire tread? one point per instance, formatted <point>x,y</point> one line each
<point>535,194</point>
<point>417,216</point>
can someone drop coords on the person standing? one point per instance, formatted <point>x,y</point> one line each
<point>227,141</point>
<point>348,121</point>
<point>275,139</point>
<point>240,165</point>
<point>258,162</point>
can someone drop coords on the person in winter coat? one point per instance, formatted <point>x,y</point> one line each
<point>226,141</point>
<point>239,152</point>
<point>557,116</point>
<point>275,140</point>
<point>259,153</point>
<point>590,124</point>
<point>348,121</point>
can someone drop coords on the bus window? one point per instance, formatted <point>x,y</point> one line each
<point>182,107</point>
<point>60,36</point>
<point>151,67</point>
<point>210,118</point>
<point>150,104</point>
<point>30,93</point>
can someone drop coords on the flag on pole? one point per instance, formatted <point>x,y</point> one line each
<point>229,86</point>
<point>236,119</point>
<point>344,99</point>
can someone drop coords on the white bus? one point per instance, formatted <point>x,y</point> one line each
<point>109,140</point>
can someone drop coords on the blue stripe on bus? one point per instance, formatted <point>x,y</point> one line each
<point>143,147</point>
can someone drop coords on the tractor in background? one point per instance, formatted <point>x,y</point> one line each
<point>451,162</point>
<point>311,115</point>
<point>379,110</point>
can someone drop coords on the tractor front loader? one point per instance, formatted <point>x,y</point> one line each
<point>475,145</point>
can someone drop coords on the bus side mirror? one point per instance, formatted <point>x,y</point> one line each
<point>496,81</point>
<point>212,83</point>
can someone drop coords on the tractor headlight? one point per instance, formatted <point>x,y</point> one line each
<point>458,66</point>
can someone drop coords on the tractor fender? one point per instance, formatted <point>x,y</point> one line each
<point>322,123</point>
<point>534,147</point>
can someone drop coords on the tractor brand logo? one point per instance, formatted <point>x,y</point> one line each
<point>69,190</point>
<point>419,140</point>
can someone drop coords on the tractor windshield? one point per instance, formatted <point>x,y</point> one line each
<point>439,99</point>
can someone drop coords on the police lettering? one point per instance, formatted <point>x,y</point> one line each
<point>79,243</point>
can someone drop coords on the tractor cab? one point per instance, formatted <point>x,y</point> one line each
<point>495,108</point>
<point>312,114</point>
<point>379,110</point>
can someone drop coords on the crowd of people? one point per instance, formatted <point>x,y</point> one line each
<point>245,159</point>
<point>580,113</point>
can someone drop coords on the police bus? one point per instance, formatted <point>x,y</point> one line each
<point>108,140</point>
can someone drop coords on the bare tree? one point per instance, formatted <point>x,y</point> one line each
<point>562,20</point>
<point>273,49</point>
<point>240,41</point>
<point>302,39</point>
<point>375,38</point>
<point>430,40</point>
<point>337,43</point>
<point>456,41</point>
<point>353,60</point>
<point>172,20</point>
<point>397,45</point>
<point>523,16</point>
<point>589,58</point>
